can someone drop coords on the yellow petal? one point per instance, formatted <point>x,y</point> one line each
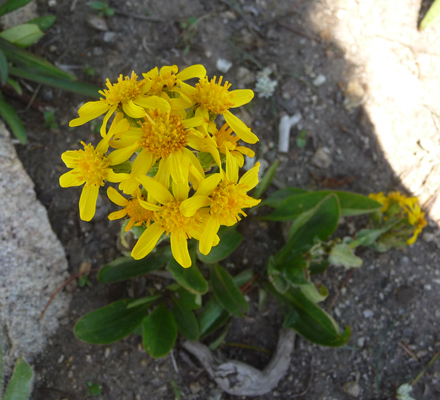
<point>87,202</point>
<point>250,178</point>
<point>117,214</point>
<point>231,167</point>
<point>180,103</point>
<point>180,190</point>
<point>179,165</point>
<point>168,68</point>
<point>70,157</point>
<point>130,224</point>
<point>240,128</point>
<point>149,206</point>
<point>141,165</point>
<point>133,110</point>
<point>163,172</point>
<point>186,89</point>
<point>119,156</point>
<point>70,179</point>
<point>113,177</point>
<point>106,118</point>
<point>179,248</point>
<point>208,236</point>
<point>154,73</point>
<point>241,97</point>
<point>208,185</point>
<point>194,161</point>
<point>190,206</point>
<point>116,197</point>
<point>194,177</point>
<point>119,125</point>
<point>89,111</point>
<point>147,241</point>
<point>246,151</point>
<point>193,122</point>
<point>153,102</point>
<point>159,192</point>
<point>194,71</point>
<point>239,157</point>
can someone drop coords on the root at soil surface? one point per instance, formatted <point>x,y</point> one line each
<point>240,379</point>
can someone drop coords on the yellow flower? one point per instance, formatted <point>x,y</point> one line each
<point>137,214</point>
<point>128,93</point>
<point>212,99</point>
<point>416,217</point>
<point>380,198</point>
<point>168,219</point>
<point>226,197</point>
<point>163,135</point>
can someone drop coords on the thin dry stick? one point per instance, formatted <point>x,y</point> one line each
<point>62,286</point>
<point>342,287</point>
<point>430,364</point>
<point>173,359</point>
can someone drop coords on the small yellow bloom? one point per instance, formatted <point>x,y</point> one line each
<point>128,94</point>
<point>132,209</point>
<point>212,99</point>
<point>226,197</point>
<point>168,219</point>
<point>416,217</point>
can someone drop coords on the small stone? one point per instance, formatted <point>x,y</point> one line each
<point>244,77</point>
<point>97,23</point>
<point>53,48</point>
<point>223,65</point>
<point>352,388</point>
<point>144,362</point>
<point>52,3</point>
<point>195,387</point>
<point>98,51</point>
<point>47,94</point>
<point>427,287</point>
<point>89,358</point>
<point>355,95</point>
<point>361,342</point>
<point>319,80</point>
<point>107,352</point>
<point>368,313</point>
<point>109,37</point>
<point>61,359</point>
<point>321,159</point>
<point>421,353</point>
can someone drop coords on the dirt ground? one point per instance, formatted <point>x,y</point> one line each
<point>390,303</point>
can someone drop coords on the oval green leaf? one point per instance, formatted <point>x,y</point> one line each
<point>212,317</point>
<point>160,332</point>
<point>22,35</point>
<point>266,180</point>
<point>226,291</point>
<point>189,300</point>
<point>144,300</point>
<point>432,14</point>
<point>230,239</point>
<point>190,278</point>
<point>20,386</point>
<point>185,320</point>
<point>126,267</point>
<point>277,198</point>
<point>12,5</point>
<point>3,68</point>
<point>110,323</point>
<point>44,22</point>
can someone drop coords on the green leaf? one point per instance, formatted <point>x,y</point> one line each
<point>206,160</point>
<point>313,323</point>
<point>350,203</point>
<point>313,293</point>
<point>316,224</point>
<point>318,267</point>
<point>3,68</point>
<point>266,181</point>
<point>230,239</point>
<point>186,321</point>
<point>144,300</point>
<point>12,5</point>
<point>277,198</point>
<point>189,300</point>
<point>44,22</point>
<point>126,267</point>
<point>212,317</point>
<point>160,332</point>
<point>226,291</point>
<point>13,120</point>
<point>20,386</point>
<point>243,277</point>
<point>217,342</point>
<point>22,35</point>
<point>367,237</point>
<point>110,323</point>
<point>31,63</point>
<point>65,84</point>
<point>97,5</point>
<point>15,85</point>
<point>342,254</point>
<point>431,15</point>
<point>190,278</point>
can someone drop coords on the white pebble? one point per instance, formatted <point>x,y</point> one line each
<point>319,80</point>
<point>223,65</point>
<point>368,313</point>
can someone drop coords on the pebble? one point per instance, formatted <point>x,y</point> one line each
<point>319,80</point>
<point>368,313</point>
<point>52,3</point>
<point>195,387</point>
<point>361,342</point>
<point>321,159</point>
<point>352,388</point>
<point>97,23</point>
<point>109,37</point>
<point>244,77</point>
<point>98,51</point>
<point>61,359</point>
<point>427,287</point>
<point>223,65</point>
<point>107,352</point>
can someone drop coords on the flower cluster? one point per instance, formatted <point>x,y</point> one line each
<point>169,128</point>
<point>396,204</point>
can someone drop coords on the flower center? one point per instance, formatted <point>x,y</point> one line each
<point>228,199</point>
<point>137,212</point>
<point>224,138</point>
<point>174,221</point>
<point>164,133</point>
<point>92,166</point>
<point>124,90</point>
<point>213,96</point>
<point>167,79</point>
